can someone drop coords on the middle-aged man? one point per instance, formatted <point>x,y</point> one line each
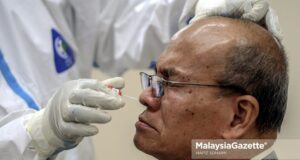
<point>219,78</point>
<point>44,45</point>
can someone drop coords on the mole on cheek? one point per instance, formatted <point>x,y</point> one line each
<point>207,67</point>
<point>190,91</point>
<point>200,101</point>
<point>189,112</point>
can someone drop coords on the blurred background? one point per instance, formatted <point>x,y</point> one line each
<point>114,141</point>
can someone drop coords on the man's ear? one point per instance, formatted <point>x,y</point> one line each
<point>246,109</point>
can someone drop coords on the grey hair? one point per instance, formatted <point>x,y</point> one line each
<point>263,73</point>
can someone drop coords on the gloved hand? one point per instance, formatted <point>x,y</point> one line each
<point>68,114</point>
<point>254,10</point>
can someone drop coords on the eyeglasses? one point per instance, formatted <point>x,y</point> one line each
<point>157,84</point>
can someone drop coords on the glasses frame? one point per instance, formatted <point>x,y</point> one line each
<point>159,91</point>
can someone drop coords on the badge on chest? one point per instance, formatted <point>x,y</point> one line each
<point>63,53</point>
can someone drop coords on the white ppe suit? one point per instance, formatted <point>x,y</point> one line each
<point>44,43</point>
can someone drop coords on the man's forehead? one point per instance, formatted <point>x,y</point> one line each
<point>197,44</point>
<point>199,27</point>
<point>210,30</point>
<point>170,65</point>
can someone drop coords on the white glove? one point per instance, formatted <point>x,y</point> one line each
<point>254,10</point>
<point>68,114</point>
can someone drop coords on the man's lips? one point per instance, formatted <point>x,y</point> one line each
<point>142,123</point>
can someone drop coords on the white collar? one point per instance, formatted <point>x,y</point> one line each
<point>263,154</point>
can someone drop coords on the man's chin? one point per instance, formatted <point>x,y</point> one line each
<point>151,148</point>
<point>139,142</point>
<point>143,144</point>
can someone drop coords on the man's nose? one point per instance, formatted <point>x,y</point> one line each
<point>148,99</point>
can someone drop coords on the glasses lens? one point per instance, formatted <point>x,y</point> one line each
<point>145,80</point>
<point>157,86</point>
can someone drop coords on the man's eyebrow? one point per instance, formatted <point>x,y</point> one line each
<point>168,72</point>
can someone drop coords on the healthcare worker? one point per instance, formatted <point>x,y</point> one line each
<point>47,45</point>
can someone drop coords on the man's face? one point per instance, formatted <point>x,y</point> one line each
<point>169,123</point>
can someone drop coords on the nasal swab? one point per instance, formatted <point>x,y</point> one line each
<point>131,98</point>
<point>118,92</point>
